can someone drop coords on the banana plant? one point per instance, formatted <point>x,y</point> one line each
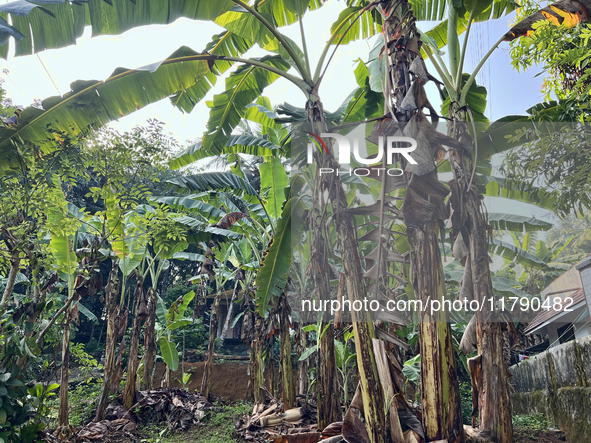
<point>259,24</point>
<point>548,265</point>
<point>169,320</point>
<point>166,238</point>
<point>63,231</point>
<point>221,275</point>
<point>245,256</point>
<point>345,362</point>
<point>127,249</point>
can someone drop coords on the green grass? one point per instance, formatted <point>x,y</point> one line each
<point>536,422</point>
<point>217,427</point>
<point>82,401</point>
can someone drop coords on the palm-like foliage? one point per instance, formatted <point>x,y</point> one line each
<point>247,25</point>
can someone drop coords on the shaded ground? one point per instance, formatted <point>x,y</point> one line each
<point>220,430</point>
<point>527,435</point>
<point>217,422</point>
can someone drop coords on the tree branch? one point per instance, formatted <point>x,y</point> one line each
<point>39,340</point>
<point>14,268</point>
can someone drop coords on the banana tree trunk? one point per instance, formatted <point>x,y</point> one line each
<point>165,382</point>
<point>150,341</point>
<point>133,363</point>
<point>287,387</point>
<point>442,411</point>
<point>371,389</point>
<point>302,365</point>
<point>71,314</point>
<point>423,213</point>
<point>494,403</point>
<point>329,399</point>
<point>111,299</point>
<point>328,402</point>
<point>213,327</point>
<point>492,396</point>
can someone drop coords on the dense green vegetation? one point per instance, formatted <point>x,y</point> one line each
<point>113,258</point>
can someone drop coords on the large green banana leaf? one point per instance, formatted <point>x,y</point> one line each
<point>237,144</point>
<point>503,286</point>
<point>519,223</point>
<point>211,181</point>
<point>225,44</point>
<point>243,23</point>
<point>516,190</point>
<point>201,232</point>
<point>59,23</point>
<point>428,10</point>
<point>272,277</point>
<point>190,204</point>
<point>93,103</point>
<point>273,178</point>
<point>179,306</point>
<point>435,10</point>
<point>516,254</point>
<point>349,26</point>
<point>260,112</point>
<point>363,103</point>
<point>169,353</point>
<point>243,86</point>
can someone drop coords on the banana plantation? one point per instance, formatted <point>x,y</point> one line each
<point>294,273</point>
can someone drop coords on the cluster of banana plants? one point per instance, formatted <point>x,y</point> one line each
<point>398,231</point>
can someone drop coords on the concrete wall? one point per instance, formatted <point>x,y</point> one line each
<point>557,383</point>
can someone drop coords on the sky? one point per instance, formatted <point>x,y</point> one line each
<point>51,72</point>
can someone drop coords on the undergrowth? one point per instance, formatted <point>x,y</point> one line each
<point>536,422</point>
<point>216,427</point>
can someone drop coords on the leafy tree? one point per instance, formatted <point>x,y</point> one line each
<point>578,227</point>
<point>563,51</point>
<point>555,156</point>
<point>258,24</point>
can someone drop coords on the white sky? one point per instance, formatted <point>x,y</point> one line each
<point>509,92</point>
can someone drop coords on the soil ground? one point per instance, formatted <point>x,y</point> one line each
<point>215,434</point>
<point>526,435</point>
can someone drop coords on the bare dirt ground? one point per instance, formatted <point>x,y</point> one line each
<point>525,435</point>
